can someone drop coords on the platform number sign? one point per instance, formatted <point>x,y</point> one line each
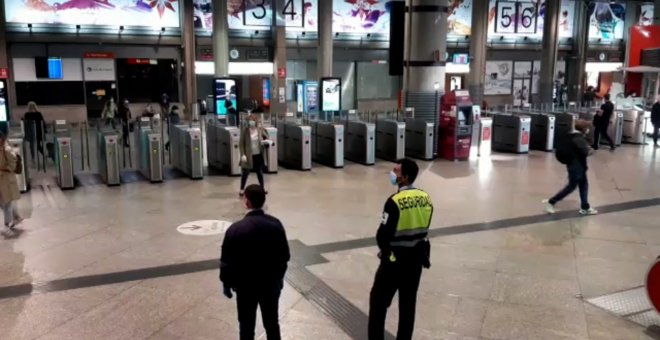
<point>257,13</point>
<point>294,13</point>
<point>516,17</point>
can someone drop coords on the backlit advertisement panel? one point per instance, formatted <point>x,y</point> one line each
<point>361,16</point>
<point>460,17</point>
<point>606,20</point>
<point>330,94</point>
<point>153,13</point>
<point>224,92</point>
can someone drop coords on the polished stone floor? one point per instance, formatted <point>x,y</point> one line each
<point>108,263</point>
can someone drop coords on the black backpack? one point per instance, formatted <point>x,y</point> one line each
<point>564,152</point>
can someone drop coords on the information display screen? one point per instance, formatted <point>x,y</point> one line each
<point>265,88</point>
<point>330,94</point>
<point>224,93</point>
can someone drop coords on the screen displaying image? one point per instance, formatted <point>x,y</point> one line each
<point>331,94</point>
<point>54,68</point>
<point>3,102</point>
<point>224,91</point>
<point>265,88</point>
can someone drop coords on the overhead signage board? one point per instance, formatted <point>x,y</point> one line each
<point>330,94</point>
<point>525,18</point>
<point>157,14</point>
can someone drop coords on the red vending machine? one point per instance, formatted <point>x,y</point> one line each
<point>456,119</point>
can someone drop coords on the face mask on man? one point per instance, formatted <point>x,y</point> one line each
<point>252,123</point>
<point>394,180</point>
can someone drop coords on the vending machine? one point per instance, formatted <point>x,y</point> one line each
<point>456,120</point>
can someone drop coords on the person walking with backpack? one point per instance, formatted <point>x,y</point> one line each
<point>572,151</point>
<point>9,192</point>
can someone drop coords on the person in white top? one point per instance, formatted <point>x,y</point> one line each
<point>253,138</point>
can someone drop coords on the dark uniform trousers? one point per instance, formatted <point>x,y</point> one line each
<point>267,298</point>
<point>401,276</point>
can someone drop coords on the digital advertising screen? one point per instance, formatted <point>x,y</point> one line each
<point>300,97</point>
<point>54,68</point>
<point>156,13</point>
<point>460,58</point>
<point>606,20</point>
<point>224,93</point>
<point>311,96</point>
<point>330,94</point>
<point>265,88</point>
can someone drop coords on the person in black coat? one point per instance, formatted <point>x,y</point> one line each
<point>602,122</point>
<point>35,128</point>
<point>655,120</point>
<point>255,253</point>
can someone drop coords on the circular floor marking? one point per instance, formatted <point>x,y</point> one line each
<point>203,227</point>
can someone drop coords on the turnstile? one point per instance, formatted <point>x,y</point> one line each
<point>419,138</point>
<point>360,142</point>
<point>615,130</point>
<point>563,124</point>
<point>542,132</point>
<point>222,146</point>
<point>63,155</point>
<point>295,141</point>
<point>271,157</point>
<point>634,125</point>
<point>390,139</point>
<point>485,144</point>
<point>16,140</point>
<point>108,157</point>
<point>328,143</point>
<point>149,151</point>
<point>511,133</point>
<point>186,146</point>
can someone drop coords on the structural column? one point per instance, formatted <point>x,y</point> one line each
<point>577,63</point>
<point>549,47</point>
<point>656,12</point>
<point>220,38</point>
<point>424,56</point>
<point>278,83</point>
<point>189,52</point>
<point>4,63</point>
<point>478,48</point>
<point>325,43</point>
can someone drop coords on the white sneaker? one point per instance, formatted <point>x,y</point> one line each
<point>6,232</point>
<point>590,211</point>
<point>547,207</point>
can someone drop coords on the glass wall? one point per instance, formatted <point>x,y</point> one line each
<point>374,81</point>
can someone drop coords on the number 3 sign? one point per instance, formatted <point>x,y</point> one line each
<point>516,17</point>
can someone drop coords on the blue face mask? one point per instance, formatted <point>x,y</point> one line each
<point>393,178</point>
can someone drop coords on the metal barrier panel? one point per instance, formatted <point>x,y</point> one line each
<point>360,142</point>
<point>563,124</point>
<point>186,147</point>
<point>272,157</point>
<point>155,156</point>
<point>485,136</point>
<point>328,143</point>
<point>615,129</point>
<point>542,132</point>
<point>108,157</point>
<point>634,125</point>
<point>419,138</point>
<point>222,145</point>
<point>64,162</point>
<point>390,139</point>
<point>194,138</point>
<point>511,133</point>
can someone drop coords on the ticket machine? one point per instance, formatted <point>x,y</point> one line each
<point>456,120</point>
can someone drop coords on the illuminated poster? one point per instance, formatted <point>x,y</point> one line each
<point>265,88</point>
<point>152,13</point>
<point>606,20</point>
<point>331,94</point>
<point>311,96</point>
<point>361,16</point>
<point>301,15</point>
<point>499,75</point>
<point>460,17</point>
<point>3,102</point>
<point>646,14</point>
<point>522,69</point>
<point>241,14</point>
<point>224,92</point>
<point>517,18</point>
<point>521,92</point>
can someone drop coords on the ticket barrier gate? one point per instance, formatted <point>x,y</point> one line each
<point>16,140</point>
<point>485,143</point>
<point>149,151</point>
<point>615,130</point>
<point>295,141</point>
<point>108,158</point>
<point>186,146</point>
<point>271,157</point>
<point>419,138</point>
<point>328,143</point>
<point>63,155</point>
<point>563,124</point>
<point>542,132</point>
<point>390,139</point>
<point>360,142</point>
<point>634,125</point>
<point>222,147</point>
<point>511,133</point>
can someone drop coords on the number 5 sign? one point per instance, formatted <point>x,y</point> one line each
<point>515,17</point>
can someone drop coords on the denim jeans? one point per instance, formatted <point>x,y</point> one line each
<point>9,209</point>
<point>577,178</point>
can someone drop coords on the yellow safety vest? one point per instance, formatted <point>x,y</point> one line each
<point>415,211</point>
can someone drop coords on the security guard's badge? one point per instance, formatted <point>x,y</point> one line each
<point>385,218</point>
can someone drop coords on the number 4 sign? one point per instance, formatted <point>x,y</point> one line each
<point>516,17</point>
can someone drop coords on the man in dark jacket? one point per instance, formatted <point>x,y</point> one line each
<point>254,260</point>
<point>602,123</point>
<point>655,120</point>
<point>577,168</point>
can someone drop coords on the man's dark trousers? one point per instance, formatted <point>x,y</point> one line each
<point>267,297</point>
<point>401,276</point>
<point>600,129</point>
<point>577,178</point>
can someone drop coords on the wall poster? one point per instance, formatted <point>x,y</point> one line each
<point>560,74</point>
<point>154,13</point>
<point>606,20</point>
<point>498,77</point>
<point>521,95</point>
<point>460,17</point>
<point>522,69</point>
<point>646,14</point>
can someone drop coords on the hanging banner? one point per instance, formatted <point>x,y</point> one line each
<point>155,13</point>
<point>606,20</point>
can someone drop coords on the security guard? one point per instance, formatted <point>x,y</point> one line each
<point>404,249</point>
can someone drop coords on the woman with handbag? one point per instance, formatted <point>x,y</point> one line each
<point>253,138</point>
<point>9,192</point>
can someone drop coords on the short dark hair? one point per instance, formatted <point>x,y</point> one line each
<point>607,96</point>
<point>256,195</point>
<point>409,169</point>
